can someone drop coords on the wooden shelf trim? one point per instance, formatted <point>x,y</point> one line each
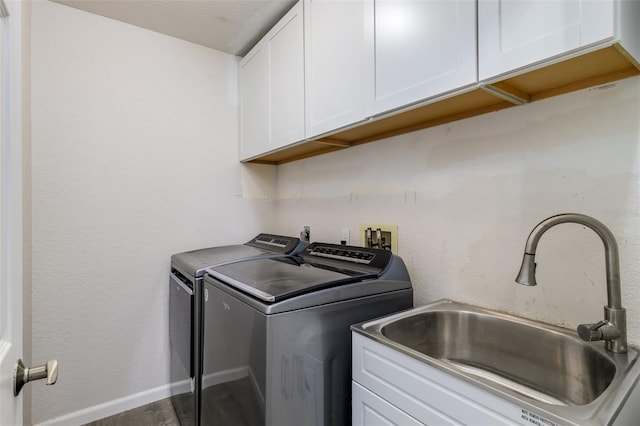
<point>508,93</point>
<point>334,142</point>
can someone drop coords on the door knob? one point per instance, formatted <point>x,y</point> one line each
<point>23,375</point>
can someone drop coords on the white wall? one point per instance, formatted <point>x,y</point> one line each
<point>134,159</point>
<point>466,195</point>
<point>132,129</point>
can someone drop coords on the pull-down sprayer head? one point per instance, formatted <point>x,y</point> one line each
<point>527,274</point>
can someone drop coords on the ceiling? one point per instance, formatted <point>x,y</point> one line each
<point>231,26</point>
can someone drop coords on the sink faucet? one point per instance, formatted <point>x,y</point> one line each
<point>613,329</point>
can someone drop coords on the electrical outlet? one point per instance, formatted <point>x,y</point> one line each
<point>344,237</point>
<point>377,235</point>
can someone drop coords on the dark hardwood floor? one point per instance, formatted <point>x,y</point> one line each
<point>233,403</point>
<point>159,413</point>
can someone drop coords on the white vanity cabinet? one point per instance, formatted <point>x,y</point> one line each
<point>272,88</point>
<point>391,388</point>
<point>338,63</point>
<point>422,49</point>
<point>513,34</point>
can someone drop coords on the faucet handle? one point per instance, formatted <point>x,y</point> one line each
<point>601,330</point>
<point>599,324</point>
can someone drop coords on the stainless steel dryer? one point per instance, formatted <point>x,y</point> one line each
<point>185,283</point>
<point>276,337</point>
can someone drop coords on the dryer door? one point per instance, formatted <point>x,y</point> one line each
<point>181,304</point>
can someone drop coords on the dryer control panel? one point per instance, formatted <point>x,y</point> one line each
<point>277,243</point>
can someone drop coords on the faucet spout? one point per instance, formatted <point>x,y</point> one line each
<point>616,341</point>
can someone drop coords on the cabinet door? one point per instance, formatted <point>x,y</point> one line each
<point>254,102</point>
<point>368,409</point>
<point>286,70</point>
<point>338,64</point>
<point>423,48</point>
<point>272,88</point>
<point>516,33</point>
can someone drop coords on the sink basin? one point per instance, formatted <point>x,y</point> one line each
<point>546,366</point>
<point>550,363</point>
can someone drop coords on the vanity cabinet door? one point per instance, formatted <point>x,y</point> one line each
<point>422,49</point>
<point>516,33</point>
<point>338,62</point>
<point>368,409</point>
<point>272,88</point>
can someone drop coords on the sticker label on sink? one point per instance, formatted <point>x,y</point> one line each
<point>536,419</point>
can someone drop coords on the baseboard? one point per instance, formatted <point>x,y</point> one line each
<point>224,376</point>
<point>110,408</point>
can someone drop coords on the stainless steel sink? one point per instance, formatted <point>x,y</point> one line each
<point>546,366</point>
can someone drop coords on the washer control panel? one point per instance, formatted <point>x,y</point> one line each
<point>350,255</point>
<point>376,258</point>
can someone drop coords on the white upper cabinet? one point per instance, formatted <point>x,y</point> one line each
<point>339,64</point>
<point>423,48</point>
<point>254,102</point>
<point>337,73</point>
<point>516,33</point>
<point>286,69</point>
<point>272,88</point>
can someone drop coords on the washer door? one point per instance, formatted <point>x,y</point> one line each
<point>275,279</point>
<point>233,364</point>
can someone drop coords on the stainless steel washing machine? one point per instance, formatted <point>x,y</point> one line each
<point>185,283</point>
<point>276,336</point>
